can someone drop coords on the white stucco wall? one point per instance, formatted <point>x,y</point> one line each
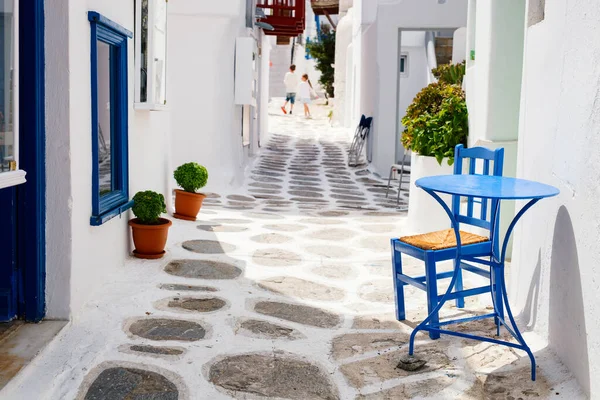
<point>498,60</point>
<point>80,256</point>
<point>343,39</point>
<point>459,45</point>
<point>264,82</point>
<point>205,122</point>
<point>345,5</point>
<point>410,83</point>
<point>493,80</point>
<point>59,197</point>
<point>556,255</point>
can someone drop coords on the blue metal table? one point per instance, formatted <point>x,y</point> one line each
<point>485,187</point>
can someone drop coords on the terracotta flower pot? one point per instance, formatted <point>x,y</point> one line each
<point>187,205</point>
<point>150,240</point>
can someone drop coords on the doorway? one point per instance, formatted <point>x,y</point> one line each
<point>22,160</point>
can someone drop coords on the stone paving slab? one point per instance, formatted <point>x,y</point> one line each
<point>277,375</point>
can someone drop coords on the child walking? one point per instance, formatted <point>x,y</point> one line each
<point>305,92</point>
<point>291,86</point>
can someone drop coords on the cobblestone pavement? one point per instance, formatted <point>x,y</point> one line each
<point>280,290</point>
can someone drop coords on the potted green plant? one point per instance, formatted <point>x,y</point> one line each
<point>434,123</point>
<point>190,177</point>
<point>149,230</point>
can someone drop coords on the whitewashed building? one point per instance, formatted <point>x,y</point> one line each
<point>81,148</point>
<point>538,65</point>
<point>533,88</point>
<point>218,86</point>
<point>386,60</point>
<point>101,99</point>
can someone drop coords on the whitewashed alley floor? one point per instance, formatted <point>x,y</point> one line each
<point>282,289</point>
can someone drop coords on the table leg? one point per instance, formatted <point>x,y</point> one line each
<point>496,292</point>
<point>516,332</point>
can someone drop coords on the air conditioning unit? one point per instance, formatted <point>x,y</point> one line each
<point>246,71</point>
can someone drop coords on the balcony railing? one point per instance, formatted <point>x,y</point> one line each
<point>286,16</point>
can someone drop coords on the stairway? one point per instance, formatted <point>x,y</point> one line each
<point>280,59</point>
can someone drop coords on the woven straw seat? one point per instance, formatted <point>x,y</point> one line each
<point>440,240</point>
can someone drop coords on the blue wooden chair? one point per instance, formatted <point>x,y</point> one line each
<point>441,246</point>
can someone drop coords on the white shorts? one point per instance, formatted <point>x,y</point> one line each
<point>304,101</point>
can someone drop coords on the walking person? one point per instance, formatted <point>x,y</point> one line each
<point>305,94</point>
<point>291,86</point>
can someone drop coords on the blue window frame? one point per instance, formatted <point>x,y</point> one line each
<point>110,166</point>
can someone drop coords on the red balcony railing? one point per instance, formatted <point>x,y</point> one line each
<point>286,16</point>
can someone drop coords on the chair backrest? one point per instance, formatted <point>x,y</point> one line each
<point>483,218</point>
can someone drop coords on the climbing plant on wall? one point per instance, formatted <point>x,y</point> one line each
<point>323,51</point>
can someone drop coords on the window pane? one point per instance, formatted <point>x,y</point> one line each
<point>105,128</point>
<point>160,51</point>
<point>7,134</point>
<point>144,54</point>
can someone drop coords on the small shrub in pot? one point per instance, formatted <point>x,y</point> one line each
<point>148,207</point>
<point>190,177</point>
<point>149,230</point>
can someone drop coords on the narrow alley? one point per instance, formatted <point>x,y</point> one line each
<point>304,167</point>
<point>280,290</point>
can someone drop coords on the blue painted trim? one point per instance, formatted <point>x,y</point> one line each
<point>31,196</point>
<point>101,219</point>
<point>97,18</point>
<point>318,26</point>
<point>116,202</point>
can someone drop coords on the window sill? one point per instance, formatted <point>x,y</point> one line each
<point>150,107</point>
<point>97,220</point>
<point>12,178</point>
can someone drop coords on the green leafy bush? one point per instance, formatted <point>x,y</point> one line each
<point>191,176</point>
<point>323,51</point>
<point>452,74</point>
<point>148,206</point>
<point>436,122</point>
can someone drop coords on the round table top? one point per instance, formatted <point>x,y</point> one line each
<point>490,187</point>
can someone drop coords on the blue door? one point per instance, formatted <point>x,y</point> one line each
<point>22,150</point>
<point>8,261</point>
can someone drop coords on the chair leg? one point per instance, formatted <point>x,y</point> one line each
<point>387,191</point>
<point>432,294</point>
<point>460,301</point>
<point>400,185</point>
<point>398,286</point>
<point>401,177</point>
